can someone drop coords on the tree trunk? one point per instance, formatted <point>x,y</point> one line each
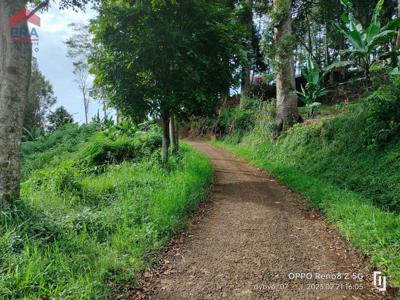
<point>85,103</point>
<point>165,138</point>
<point>246,69</point>
<point>310,44</point>
<point>176,135</point>
<point>326,45</point>
<point>118,117</point>
<point>15,69</point>
<point>105,110</point>
<point>398,32</point>
<point>246,83</point>
<point>173,135</point>
<point>287,110</point>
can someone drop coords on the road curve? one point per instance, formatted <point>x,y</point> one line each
<point>253,238</point>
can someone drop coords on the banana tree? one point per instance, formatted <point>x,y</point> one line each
<point>314,90</point>
<point>365,41</point>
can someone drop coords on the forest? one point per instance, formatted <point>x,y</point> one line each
<point>242,149</point>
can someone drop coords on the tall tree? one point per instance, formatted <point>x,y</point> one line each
<point>15,71</point>
<point>40,99</point>
<point>165,58</point>
<point>286,102</point>
<point>80,47</point>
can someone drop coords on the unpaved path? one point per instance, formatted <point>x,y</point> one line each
<point>254,235</point>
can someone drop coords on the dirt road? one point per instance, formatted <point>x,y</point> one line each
<point>254,236</point>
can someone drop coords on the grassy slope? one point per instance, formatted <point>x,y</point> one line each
<point>355,186</point>
<point>80,233</point>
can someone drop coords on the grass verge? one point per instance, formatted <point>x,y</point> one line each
<point>373,231</point>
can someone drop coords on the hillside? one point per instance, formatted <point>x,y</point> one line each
<point>97,204</point>
<point>345,161</point>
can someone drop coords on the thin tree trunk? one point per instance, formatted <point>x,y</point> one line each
<point>171,131</point>
<point>118,117</point>
<point>310,44</point>
<point>246,83</point>
<point>176,135</point>
<point>105,110</point>
<point>398,32</point>
<point>165,138</point>
<point>15,69</point>
<point>172,134</point>
<point>326,45</point>
<point>85,103</point>
<point>246,71</point>
<point>287,110</point>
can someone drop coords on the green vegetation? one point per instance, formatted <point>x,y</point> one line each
<point>346,164</point>
<point>366,42</point>
<point>96,207</point>
<point>97,201</point>
<point>167,59</point>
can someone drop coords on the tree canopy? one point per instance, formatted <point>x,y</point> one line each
<point>160,58</point>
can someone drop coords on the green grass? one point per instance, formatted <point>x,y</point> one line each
<point>85,226</point>
<point>354,184</point>
<point>375,232</point>
<point>346,162</point>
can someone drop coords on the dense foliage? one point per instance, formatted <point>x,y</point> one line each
<point>161,58</point>
<point>366,41</point>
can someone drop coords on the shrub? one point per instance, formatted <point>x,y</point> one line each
<point>54,148</point>
<point>104,149</point>
<point>239,120</point>
<point>382,124</point>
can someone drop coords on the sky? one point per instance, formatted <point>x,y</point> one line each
<point>55,65</point>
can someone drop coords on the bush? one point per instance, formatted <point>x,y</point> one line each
<point>239,120</point>
<point>54,148</point>
<point>101,150</point>
<point>382,124</point>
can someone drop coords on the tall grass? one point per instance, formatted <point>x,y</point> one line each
<point>85,227</point>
